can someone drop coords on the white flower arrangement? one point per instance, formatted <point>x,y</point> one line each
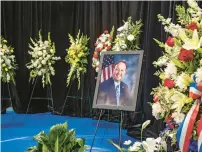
<point>8,62</point>
<point>42,59</point>
<point>128,36</point>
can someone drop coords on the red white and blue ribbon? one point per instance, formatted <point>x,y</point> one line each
<point>194,92</point>
<point>199,131</point>
<point>185,129</point>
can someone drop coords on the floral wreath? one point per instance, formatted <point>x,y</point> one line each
<point>42,59</point>
<point>8,62</point>
<point>77,57</point>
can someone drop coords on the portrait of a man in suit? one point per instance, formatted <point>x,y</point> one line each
<point>114,91</point>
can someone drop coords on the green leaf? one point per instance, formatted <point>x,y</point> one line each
<point>159,43</point>
<point>57,145</point>
<point>44,148</point>
<point>199,50</point>
<point>117,146</point>
<point>112,31</point>
<point>178,63</point>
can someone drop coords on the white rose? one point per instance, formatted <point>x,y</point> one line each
<point>49,63</point>
<point>43,62</point>
<point>130,37</point>
<point>40,58</point>
<point>39,53</point>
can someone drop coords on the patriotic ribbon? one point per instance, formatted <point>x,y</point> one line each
<point>199,131</point>
<point>185,128</point>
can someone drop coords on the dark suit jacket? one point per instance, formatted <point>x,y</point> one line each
<point>107,93</point>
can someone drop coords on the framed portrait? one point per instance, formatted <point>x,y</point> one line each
<point>118,80</point>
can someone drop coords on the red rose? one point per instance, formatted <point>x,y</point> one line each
<point>192,26</point>
<point>108,48</point>
<point>104,44</point>
<point>186,55</point>
<point>95,55</point>
<point>106,32</point>
<point>169,83</point>
<point>156,98</point>
<point>170,41</point>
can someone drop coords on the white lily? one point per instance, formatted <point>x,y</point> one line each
<point>193,43</point>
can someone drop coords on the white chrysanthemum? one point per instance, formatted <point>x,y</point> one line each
<point>170,70</point>
<point>199,75</point>
<point>178,117</point>
<point>157,110</point>
<point>128,142</point>
<point>183,81</point>
<point>130,37</point>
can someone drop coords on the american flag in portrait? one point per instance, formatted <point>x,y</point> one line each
<point>107,67</point>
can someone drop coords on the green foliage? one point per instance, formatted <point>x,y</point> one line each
<point>59,139</point>
<point>183,17</point>
<point>161,44</point>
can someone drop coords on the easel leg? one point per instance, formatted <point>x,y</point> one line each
<point>51,97</point>
<point>66,98</point>
<point>96,130</point>
<point>120,129</point>
<point>31,95</point>
<point>9,95</point>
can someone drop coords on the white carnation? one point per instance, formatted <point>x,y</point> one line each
<point>170,70</point>
<point>178,117</point>
<point>157,110</point>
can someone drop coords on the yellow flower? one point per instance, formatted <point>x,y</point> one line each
<point>6,69</point>
<point>0,45</point>
<point>201,62</point>
<point>2,50</point>
<point>3,65</point>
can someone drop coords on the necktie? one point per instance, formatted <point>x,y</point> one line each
<point>117,94</point>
